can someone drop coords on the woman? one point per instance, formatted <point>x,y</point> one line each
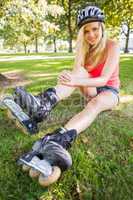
<point>96,70</point>
<point>95,73</point>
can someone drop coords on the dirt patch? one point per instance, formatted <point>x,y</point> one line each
<point>12,79</point>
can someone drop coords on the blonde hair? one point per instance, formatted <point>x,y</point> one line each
<point>83,49</point>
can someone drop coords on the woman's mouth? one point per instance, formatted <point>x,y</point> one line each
<point>91,41</point>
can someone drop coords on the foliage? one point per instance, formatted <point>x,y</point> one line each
<point>119,13</point>
<point>24,21</point>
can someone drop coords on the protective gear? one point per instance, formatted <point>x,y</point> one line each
<point>38,107</point>
<point>61,136</point>
<point>89,14</point>
<point>52,153</point>
<point>51,148</point>
<point>48,99</point>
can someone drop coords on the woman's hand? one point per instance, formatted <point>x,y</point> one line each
<point>75,78</point>
<point>65,76</point>
<point>68,78</point>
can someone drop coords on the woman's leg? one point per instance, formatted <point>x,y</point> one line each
<point>63,91</point>
<point>88,92</point>
<point>103,101</point>
<point>66,135</point>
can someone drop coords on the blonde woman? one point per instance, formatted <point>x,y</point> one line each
<point>95,74</point>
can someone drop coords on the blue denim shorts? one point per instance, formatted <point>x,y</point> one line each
<point>108,88</point>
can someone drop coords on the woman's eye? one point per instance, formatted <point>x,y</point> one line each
<point>95,29</point>
<point>86,32</point>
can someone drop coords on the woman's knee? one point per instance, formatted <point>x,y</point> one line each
<point>64,91</point>
<point>103,101</point>
<point>96,104</point>
<point>88,92</point>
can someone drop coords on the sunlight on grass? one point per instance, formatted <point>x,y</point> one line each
<point>43,75</point>
<point>126,59</point>
<point>13,71</point>
<point>126,98</point>
<point>43,79</point>
<point>126,55</point>
<point>42,65</point>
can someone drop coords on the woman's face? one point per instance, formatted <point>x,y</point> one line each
<point>93,33</point>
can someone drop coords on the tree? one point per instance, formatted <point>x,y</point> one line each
<point>68,24</point>
<point>25,21</point>
<point>119,13</point>
<point>126,20</point>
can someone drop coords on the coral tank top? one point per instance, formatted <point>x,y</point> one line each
<point>113,80</point>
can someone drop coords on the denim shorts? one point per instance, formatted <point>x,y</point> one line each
<point>108,88</point>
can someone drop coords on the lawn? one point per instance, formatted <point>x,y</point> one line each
<point>102,155</point>
<point>3,55</point>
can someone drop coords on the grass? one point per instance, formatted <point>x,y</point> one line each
<point>34,54</point>
<point>102,155</point>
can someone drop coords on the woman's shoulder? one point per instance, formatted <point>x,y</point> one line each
<point>112,43</point>
<point>113,49</point>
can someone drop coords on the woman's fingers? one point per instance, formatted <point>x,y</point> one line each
<point>65,76</point>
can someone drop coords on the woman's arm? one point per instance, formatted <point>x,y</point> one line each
<point>111,63</point>
<point>112,60</point>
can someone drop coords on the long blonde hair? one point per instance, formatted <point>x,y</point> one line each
<point>83,49</point>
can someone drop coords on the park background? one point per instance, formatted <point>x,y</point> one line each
<point>37,42</point>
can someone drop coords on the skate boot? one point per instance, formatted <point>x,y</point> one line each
<point>38,107</point>
<point>16,114</point>
<point>49,156</point>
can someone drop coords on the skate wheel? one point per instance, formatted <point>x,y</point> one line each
<point>46,181</point>
<point>20,126</point>
<point>25,168</point>
<point>33,173</point>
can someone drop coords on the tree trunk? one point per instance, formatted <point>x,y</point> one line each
<point>25,48</point>
<point>127,39</point>
<point>36,44</point>
<point>55,47</point>
<point>70,26</point>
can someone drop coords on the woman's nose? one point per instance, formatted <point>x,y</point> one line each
<point>90,34</point>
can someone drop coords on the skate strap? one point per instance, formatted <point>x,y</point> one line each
<point>61,136</point>
<point>28,156</point>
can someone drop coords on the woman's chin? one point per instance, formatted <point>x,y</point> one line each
<point>92,42</point>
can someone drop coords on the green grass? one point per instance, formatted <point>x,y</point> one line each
<point>34,54</point>
<point>102,155</point>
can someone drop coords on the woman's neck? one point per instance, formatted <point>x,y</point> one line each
<point>90,60</point>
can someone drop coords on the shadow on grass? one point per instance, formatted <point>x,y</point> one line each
<point>36,65</point>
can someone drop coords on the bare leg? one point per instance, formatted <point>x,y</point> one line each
<point>88,92</point>
<point>63,91</point>
<point>103,101</point>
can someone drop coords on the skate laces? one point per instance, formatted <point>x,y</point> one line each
<point>62,137</point>
<point>48,99</point>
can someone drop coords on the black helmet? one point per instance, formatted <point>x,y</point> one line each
<point>89,14</point>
